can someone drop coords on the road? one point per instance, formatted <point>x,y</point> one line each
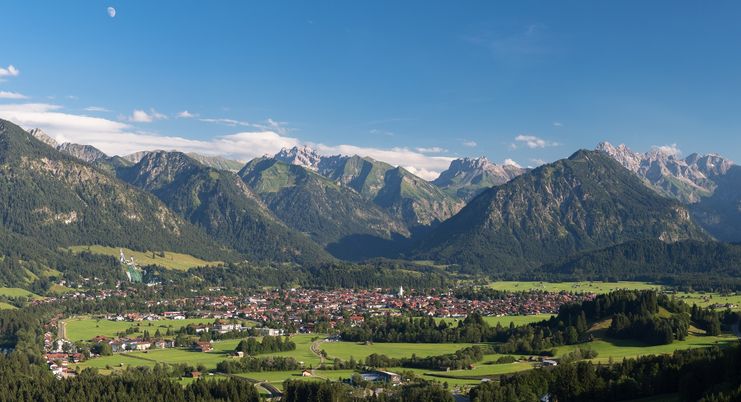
<point>274,392</point>
<point>317,350</point>
<point>61,329</point>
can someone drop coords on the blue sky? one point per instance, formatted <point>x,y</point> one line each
<point>414,82</point>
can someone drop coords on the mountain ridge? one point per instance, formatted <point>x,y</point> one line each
<point>586,201</point>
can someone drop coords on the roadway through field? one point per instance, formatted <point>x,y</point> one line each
<point>317,350</point>
<point>61,329</point>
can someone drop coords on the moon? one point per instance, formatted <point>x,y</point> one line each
<point>111,12</point>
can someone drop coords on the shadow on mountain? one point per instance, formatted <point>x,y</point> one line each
<point>359,247</point>
<point>720,214</point>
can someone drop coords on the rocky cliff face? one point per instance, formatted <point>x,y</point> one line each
<point>687,180</point>
<point>467,177</point>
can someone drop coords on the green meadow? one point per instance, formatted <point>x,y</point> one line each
<point>702,299</point>
<point>616,349</point>
<point>518,320</point>
<point>86,328</point>
<point>579,287</point>
<point>359,351</point>
<point>171,260</point>
<point>220,352</point>
<point>18,292</point>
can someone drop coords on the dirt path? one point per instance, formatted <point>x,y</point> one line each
<point>61,329</point>
<point>317,350</point>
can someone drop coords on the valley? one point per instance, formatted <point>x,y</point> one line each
<point>304,270</point>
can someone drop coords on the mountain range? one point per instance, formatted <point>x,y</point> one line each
<point>302,207</point>
<point>587,201</point>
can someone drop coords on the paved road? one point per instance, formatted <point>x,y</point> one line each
<point>274,392</point>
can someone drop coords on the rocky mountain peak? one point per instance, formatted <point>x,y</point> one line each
<point>663,168</point>
<point>40,135</point>
<point>87,153</point>
<point>301,156</point>
<point>467,177</point>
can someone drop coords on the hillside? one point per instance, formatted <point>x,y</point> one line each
<point>58,200</point>
<point>651,260</point>
<point>406,197</point>
<point>720,214</point>
<point>221,204</point>
<point>313,204</point>
<point>584,202</point>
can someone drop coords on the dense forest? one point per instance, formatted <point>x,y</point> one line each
<point>702,265</point>
<point>710,374</point>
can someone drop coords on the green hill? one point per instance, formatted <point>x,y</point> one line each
<point>406,197</point>
<point>222,205</point>
<point>58,200</point>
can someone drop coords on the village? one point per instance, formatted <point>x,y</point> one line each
<point>275,313</point>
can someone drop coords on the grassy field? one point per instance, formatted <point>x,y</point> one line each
<point>707,299</point>
<point>86,328</point>
<point>591,287</point>
<point>619,349</point>
<point>505,320</point>
<point>700,298</point>
<point>171,260</point>
<point>18,292</point>
<point>6,306</point>
<point>344,350</point>
<point>209,359</point>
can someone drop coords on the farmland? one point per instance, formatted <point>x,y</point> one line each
<point>618,349</point>
<point>359,351</point>
<point>589,287</point>
<point>86,328</point>
<point>702,299</point>
<point>170,260</point>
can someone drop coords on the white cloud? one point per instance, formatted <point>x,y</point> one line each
<point>227,122</point>
<point>469,143</point>
<point>533,142</point>
<point>382,132</point>
<point>121,138</point>
<point>511,162</point>
<point>537,162</point>
<point>268,125</point>
<point>96,109</point>
<point>11,71</point>
<point>140,116</point>
<point>12,95</point>
<point>431,150</point>
<point>428,175</point>
<point>669,150</point>
<point>557,124</point>
<point>186,115</point>
<point>425,166</point>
